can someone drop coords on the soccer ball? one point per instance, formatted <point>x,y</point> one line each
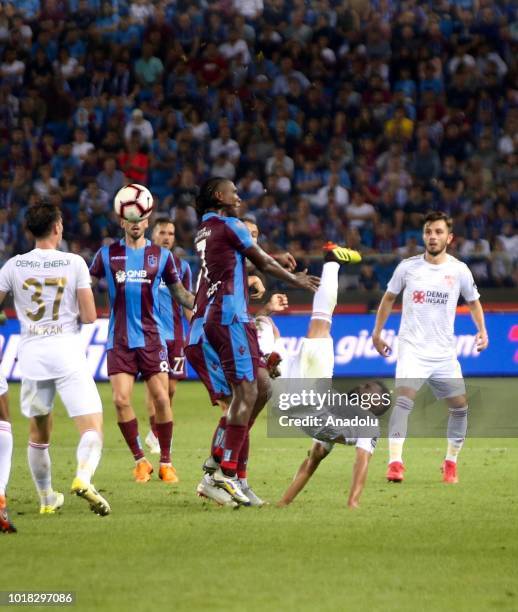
<point>133,202</point>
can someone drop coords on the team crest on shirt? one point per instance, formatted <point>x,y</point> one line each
<point>120,276</point>
<point>450,280</point>
<point>152,261</point>
<point>163,355</point>
<point>241,350</point>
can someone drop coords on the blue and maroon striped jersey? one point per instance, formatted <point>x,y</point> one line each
<point>133,277</point>
<point>222,293</point>
<point>170,310</point>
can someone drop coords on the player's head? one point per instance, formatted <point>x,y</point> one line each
<point>375,397</point>
<point>164,233</point>
<point>437,232</point>
<point>134,229</point>
<point>218,194</point>
<point>44,220</point>
<point>252,227</point>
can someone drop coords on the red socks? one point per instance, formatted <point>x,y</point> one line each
<point>129,430</point>
<point>164,433</point>
<point>216,448</point>
<point>234,438</point>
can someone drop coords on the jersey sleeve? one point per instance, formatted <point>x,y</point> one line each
<point>97,266</point>
<point>468,288</point>
<point>186,275</point>
<point>397,283</point>
<point>6,282</point>
<point>83,275</point>
<point>238,234</point>
<point>170,273</point>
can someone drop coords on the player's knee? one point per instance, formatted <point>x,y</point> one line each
<point>121,401</point>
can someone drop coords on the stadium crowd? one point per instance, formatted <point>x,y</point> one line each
<point>342,121</point>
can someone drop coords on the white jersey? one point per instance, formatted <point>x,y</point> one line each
<point>430,296</point>
<point>44,284</point>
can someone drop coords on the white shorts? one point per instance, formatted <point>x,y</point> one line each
<point>315,359</point>
<point>443,377</point>
<point>77,391</point>
<point>3,383</point>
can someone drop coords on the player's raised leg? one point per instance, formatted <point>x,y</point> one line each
<point>6,451</point>
<point>158,390</point>
<point>122,387</point>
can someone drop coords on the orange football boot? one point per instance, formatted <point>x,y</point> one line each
<point>167,473</point>
<point>143,470</point>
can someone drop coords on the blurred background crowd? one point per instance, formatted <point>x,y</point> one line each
<point>338,120</point>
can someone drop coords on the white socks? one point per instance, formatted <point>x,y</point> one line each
<point>398,425</point>
<point>88,455</point>
<point>6,451</point>
<point>40,465</point>
<point>324,300</point>
<point>457,428</point>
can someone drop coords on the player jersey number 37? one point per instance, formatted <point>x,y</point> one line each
<point>44,285</point>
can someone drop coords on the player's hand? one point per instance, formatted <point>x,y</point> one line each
<point>277,303</point>
<point>257,289</point>
<point>306,281</point>
<point>286,260</point>
<point>273,362</point>
<point>381,346</point>
<point>481,341</point>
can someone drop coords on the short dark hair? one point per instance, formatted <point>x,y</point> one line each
<point>206,199</point>
<point>162,221</point>
<point>438,215</point>
<point>41,217</point>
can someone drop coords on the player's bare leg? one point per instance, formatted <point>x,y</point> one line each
<point>307,468</point>
<point>89,450</point>
<point>122,388</point>
<point>398,425</point>
<point>159,393</point>
<point>6,452</point>
<point>456,434</point>
<point>40,429</point>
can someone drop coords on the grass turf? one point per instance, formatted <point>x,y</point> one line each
<point>420,545</point>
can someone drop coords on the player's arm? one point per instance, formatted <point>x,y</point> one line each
<point>304,473</point>
<point>286,260</point>
<point>86,303</point>
<point>477,314</point>
<point>360,469</point>
<point>2,298</point>
<point>181,295</point>
<point>384,310</point>
<point>267,264</point>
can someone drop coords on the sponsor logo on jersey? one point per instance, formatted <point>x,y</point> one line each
<point>430,297</point>
<point>118,257</point>
<point>132,276</point>
<point>213,288</point>
<point>27,263</point>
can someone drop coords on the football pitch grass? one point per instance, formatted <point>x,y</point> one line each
<point>421,545</point>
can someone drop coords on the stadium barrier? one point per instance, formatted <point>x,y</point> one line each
<point>354,352</point>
